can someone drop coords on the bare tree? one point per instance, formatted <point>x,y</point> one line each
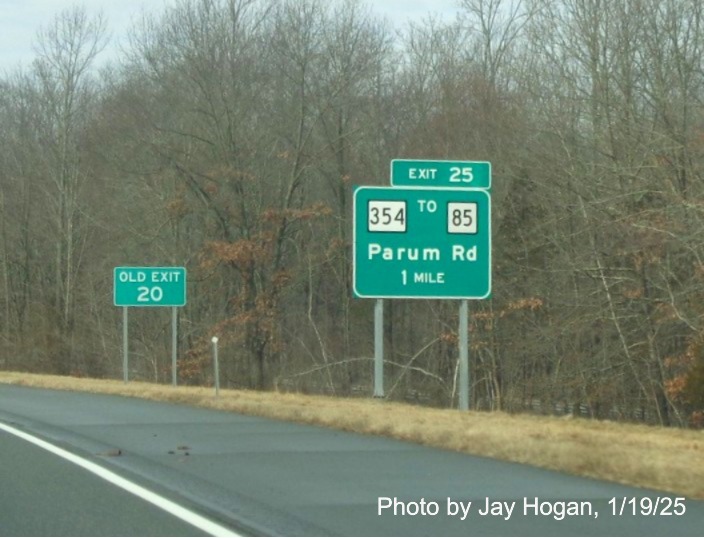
<point>66,50</point>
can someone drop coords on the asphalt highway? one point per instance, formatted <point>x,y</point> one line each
<point>267,477</point>
<point>43,495</point>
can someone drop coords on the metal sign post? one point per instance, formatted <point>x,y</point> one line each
<point>464,356</point>
<point>379,349</point>
<point>174,344</point>
<point>125,344</point>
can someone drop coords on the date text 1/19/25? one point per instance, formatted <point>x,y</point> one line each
<point>647,506</point>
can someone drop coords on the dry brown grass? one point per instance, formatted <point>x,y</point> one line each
<point>668,459</point>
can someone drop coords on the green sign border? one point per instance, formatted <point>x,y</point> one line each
<point>151,304</point>
<point>400,193</point>
<point>399,177</point>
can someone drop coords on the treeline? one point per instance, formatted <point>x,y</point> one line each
<point>228,138</point>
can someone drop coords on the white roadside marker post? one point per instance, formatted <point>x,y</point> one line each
<point>216,366</point>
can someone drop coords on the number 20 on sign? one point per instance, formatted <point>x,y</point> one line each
<point>150,286</point>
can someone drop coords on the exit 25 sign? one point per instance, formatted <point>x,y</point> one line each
<point>149,286</point>
<point>441,174</point>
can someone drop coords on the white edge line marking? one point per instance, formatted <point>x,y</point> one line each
<point>184,514</point>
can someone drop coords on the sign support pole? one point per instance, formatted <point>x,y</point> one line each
<point>464,356</point>
<point>379,349</point>
<point>174,344</point>
<point>125,345</point>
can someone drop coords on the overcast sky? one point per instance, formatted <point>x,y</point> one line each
<point>20,19</point>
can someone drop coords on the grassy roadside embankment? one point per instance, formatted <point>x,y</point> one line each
<point>667,459</point>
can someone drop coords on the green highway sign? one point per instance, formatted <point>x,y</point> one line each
<point>441,174</point>
<point>422,243</point>
<point>150,286</point>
